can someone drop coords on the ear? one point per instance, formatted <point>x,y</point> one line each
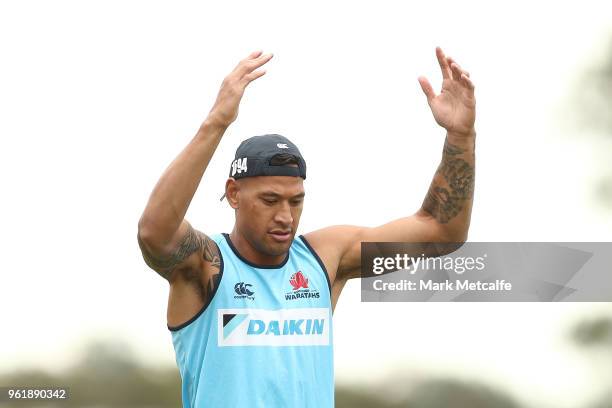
<point>232,190</point>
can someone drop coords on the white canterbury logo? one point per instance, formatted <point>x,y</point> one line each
<point>282,145</point>
<point>239,165</point>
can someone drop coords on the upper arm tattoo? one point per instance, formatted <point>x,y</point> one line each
<point>453,184</point>
<point>192,241</point>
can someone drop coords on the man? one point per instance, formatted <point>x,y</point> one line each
<point>250,311</point>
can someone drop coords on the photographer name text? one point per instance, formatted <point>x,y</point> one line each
<point>408,285</point>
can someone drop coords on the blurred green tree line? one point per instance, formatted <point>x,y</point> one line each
<point>109,376</point>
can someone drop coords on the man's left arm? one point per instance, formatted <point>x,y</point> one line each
<point>448,202</point>
<point>450,196</point>
<point>446,210</point>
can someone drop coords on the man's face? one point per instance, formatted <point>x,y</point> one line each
<point>268,211</point>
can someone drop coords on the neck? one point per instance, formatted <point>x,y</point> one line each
<point>251,254</point>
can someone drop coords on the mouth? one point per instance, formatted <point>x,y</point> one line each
<point>280,236</point>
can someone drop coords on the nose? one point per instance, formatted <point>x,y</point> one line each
<point>283,215</point>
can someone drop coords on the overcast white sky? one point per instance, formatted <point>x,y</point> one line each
<point>97,98</point>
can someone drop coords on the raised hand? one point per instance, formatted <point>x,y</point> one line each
<point>225,109</point>
<point>455,107</point>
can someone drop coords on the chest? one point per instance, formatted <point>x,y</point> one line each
<point>294,286</point>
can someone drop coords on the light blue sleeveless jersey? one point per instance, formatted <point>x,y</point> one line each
<point>265,337</point>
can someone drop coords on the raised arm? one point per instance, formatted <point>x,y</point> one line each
<point>446,210</point>
<point>450,196</point>
<point>163,233</point>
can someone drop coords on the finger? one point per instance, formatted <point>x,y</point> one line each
<point>251,65</point>
<point>456,70</point>
<point>239,67</point>
<point>254,54</point>
<point>446,72</point>
<point>251,56</point>
<point>467,81</point>
<point>254,75</point>
<point>427,88</point>
<point>451,60</point>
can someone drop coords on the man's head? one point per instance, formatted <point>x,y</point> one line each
<point>266,190</point>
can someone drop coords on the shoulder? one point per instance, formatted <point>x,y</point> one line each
<point>332,244</point>
<point>335,236</point>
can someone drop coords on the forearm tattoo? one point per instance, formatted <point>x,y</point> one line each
<point>452,186</point>
<point>193,241</point>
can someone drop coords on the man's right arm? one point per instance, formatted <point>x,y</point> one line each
<point>165,237</point>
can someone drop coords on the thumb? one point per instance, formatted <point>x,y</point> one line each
<point>427,89</point>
